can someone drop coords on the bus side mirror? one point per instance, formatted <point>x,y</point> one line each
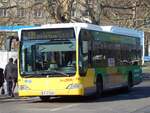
<point>82,72</point>
<point>135,63</point>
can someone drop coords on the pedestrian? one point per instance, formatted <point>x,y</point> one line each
<point>8,73</point>
<point>15,75</point>
<point>2,81</point>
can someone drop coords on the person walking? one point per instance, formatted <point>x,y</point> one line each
<point>15,75</point>
<point>8,73</point>
<point>2,81</point>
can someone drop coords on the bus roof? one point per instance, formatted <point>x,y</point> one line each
<point>110,29</point>
<point>123,31</point>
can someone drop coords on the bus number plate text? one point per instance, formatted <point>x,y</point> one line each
<point>47,93</point>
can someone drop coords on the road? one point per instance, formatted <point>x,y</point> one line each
<point>118,101</point>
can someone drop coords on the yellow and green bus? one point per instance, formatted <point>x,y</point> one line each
<point>78,59</point>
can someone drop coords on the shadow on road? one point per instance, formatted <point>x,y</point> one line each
<point>120,94</point>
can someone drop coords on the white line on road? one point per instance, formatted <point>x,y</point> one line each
<point>64,107</point>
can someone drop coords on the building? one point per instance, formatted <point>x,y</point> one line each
<point>38,12</point>
<point>23,12</point>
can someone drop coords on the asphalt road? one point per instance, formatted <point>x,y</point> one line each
<point>118,101</point>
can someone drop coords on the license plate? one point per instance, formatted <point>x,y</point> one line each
<point>47,93</point>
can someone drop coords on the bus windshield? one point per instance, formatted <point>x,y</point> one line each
<point>49,56</point>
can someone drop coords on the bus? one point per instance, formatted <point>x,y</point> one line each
<point>78,59</point>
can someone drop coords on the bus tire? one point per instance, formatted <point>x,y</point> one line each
<point>99,86</point>
<point>130,81</point>
<point>44,98</point>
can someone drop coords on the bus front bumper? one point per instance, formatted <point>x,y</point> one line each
<point>63,92</point>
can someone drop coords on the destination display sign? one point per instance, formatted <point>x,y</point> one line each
<point>48,34</point>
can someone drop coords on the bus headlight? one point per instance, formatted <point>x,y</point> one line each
<point>24,87</point>
<point>74,86</point>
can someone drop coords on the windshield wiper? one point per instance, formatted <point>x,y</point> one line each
<point>59,72</point>
<point>44,74</point>
<point>28,76</point>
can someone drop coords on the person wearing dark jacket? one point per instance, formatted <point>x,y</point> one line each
<point>1,77</point>
<point>15,75</point>
<point>8,73</point>
<point>1,80</point>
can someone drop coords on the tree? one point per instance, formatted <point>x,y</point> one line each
<point>135,13</point>
<point>60,10</point>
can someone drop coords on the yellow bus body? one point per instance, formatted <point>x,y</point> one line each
<point>57,86</point>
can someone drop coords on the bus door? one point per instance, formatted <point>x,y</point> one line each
<point>85,69</point>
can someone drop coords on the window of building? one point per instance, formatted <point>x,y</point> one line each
<point>53,2</point>
<point>38,1</point>
<point>21,1</point>
<point>85,13</point>
<point>4,1</point>
<point>20,12</point>
<point>37,13</point>
<point>3,12</point>
<point>73,12</point>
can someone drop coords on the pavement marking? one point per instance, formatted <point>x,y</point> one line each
<point>64,107</point>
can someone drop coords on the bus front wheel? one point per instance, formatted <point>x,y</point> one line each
<point>44,98</point>
<point>99,86</point>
